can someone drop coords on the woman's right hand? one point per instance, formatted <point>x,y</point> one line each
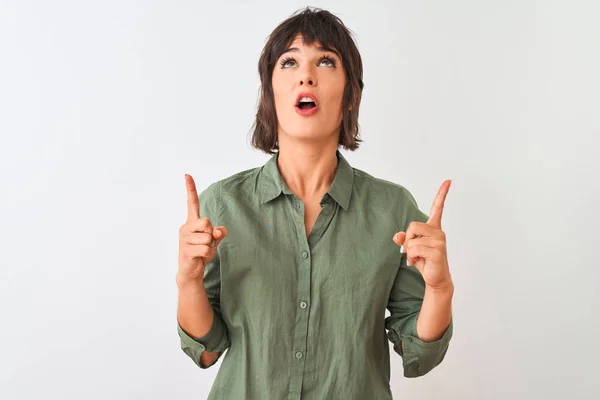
<point>196,238</point>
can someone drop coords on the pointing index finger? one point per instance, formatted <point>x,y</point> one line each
<point>435,217</point>
<point>193,206</point>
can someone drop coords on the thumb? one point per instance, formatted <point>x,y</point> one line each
<point>399,238</point>
<point>219,233</point>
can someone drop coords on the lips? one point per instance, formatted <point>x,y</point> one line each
<point>306,103</point>
<point>306,94</point>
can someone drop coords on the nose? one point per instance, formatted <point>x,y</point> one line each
<point>307,76</point>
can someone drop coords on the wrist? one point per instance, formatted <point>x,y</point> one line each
<point>186,281</point>
<point>445,288</point>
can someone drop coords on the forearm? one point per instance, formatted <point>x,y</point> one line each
<point>436,313</point>
<point>194,312</point>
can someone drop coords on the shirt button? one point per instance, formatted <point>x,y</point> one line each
<point>298,355</point>
<point>304,254</point>
<point>303,304</point>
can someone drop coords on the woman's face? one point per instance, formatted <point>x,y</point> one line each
<point>311,70</point>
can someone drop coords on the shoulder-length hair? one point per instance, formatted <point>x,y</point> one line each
<point>326,28</point>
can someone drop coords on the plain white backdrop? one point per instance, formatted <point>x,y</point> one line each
<point>104,106</point>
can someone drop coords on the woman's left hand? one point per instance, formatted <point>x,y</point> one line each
<point>425,245</point>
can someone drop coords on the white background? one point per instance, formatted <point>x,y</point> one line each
<point>104,106</point>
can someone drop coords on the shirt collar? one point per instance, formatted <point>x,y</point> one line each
<point>272,184</point>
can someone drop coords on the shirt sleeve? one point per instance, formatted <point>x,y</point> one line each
<point>404,304</point>
<point>217,338</point>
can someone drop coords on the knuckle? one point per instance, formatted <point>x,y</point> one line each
<point>195,225</point>
<point>182,239</point>
<point>206,238</point>
<point>204,225</point>
<point>205,251</point>
<point>192,238</point>
<point>206,220</point>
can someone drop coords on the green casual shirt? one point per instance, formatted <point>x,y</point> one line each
<point>304,318</point>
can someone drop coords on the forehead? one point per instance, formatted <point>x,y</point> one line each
<point>299,42</point>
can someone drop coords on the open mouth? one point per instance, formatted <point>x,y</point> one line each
<point>306,101</point>
<point>306,105</point>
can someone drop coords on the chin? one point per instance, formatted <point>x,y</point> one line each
<point>309,129</point>
<point>306,134</point>
<point>309,136</point>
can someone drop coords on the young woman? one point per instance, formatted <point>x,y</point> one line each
<point>290,267</point>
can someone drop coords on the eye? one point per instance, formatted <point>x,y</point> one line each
<point>329,61</point>
<point>287,62</point>
<point>326,61</point>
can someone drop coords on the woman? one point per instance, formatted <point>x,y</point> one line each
<point>291,266</point>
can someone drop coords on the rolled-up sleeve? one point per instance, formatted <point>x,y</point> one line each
<point>419,357</point>
<point>405,301</point>
<point>217,338</point>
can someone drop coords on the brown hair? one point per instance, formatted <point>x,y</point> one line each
<point>313,25</point>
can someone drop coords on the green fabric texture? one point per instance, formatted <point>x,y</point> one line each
<point>304,318</point>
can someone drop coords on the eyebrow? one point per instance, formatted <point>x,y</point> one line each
<point>320,48</point>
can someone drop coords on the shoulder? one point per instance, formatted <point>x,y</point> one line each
<point>239,181</point>
<point>211,196</point>
<point>366,182</point>
<point>392,195</point>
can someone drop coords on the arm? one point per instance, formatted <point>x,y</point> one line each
<point>420,322</point>
<point>435,315</point>
<point>195,316</point>
<point>201,327</point>
<point>420,325</point>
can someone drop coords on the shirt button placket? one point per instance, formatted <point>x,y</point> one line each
<point>303,294</point>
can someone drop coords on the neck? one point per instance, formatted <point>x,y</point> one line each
<point>308,170</point>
